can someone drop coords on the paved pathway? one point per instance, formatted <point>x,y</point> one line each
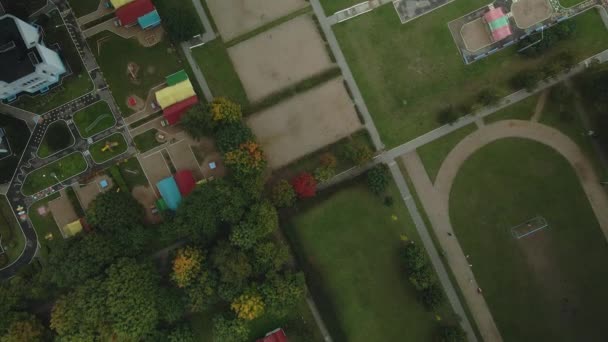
<point>209,33</point>
<point>540,106</point>
<point>29,117</point>
<point>200,78</point>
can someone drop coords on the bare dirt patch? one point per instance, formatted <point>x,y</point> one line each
<point>305,123</point>
<point>155,168</point>
<point>62,210</point>
<point>183,158</point>
<point>146,197</point>
<point>475,35</point>
<point>236,17</point>
<point>87,193</point>
<point>529,12</point>
<point>280,57</point>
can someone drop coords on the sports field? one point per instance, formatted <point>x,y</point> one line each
<point>350,245</point>
<point>408,73</point>
<point>549,286</point>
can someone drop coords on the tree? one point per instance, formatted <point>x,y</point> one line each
<point>225,111</point>
<point>356,152</point>
<point>283,292</point>
<point>432,297</point>
<point>526,80</point>
<point>27,329</point>
<point>378,179</point>
<point>489,96</point>
<point>230,137</point>
<point>181,333</point>
<point>201,293</point>
<point>324,173</point>
<point>414,257</point>
<point>421,278</point>
<point>451,333</point>
<point>447,116</point>
<point>180,23</point>
<point>304,185</point>
<point>229,330</point>
<point>261,220</point>
<point>197,122</point>
<point>132,290</point>
<point>269,256</point>
<point>247,160</point>
<point>234,269</point>
<point>172,305</point>
<point>283,195</point>
<point>248,306</point>
<point>186,266</point>
<point>328,159</point>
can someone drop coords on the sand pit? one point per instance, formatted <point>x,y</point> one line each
<point>155,168</point>
<point>275,59</point>
<point>63,211</point>
<point>475,35</point>
<point>87,193</point>
<point>529,12</point>
<point>305,123</point>
<point>236,17</point>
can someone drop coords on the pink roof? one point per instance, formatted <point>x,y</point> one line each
<point>185,181</point>
<point>277,336</point>
<point>494,14</point>
<point>501,33</point>
<point>174,112</point>
<point>129,13</point>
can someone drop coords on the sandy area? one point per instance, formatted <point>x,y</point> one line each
<point>183,158</point>
<point>305,123</point>
<point>282,56</point>
<point>155,168</point>
<point>62,210</point>
<point>147,198</point>
<point>236,17</point>
<point>529,12</point>
<point>86,194</point>
<point>475,35</point>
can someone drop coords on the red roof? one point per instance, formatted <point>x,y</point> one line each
<point>276,336</point>
<point>185,182</point>
<point>129,13</point>
<point>174,112</point>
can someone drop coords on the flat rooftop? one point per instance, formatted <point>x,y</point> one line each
<point>15,59</point>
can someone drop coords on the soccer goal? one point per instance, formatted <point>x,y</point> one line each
<point>529,227</point>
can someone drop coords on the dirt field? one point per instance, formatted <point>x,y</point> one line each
<point>280,57</point>
<point>236,17</point>
<point>155,168</point>
<point>305,123</point>
<point>475,35</point>
<point>86,194</point>
<point>529,12</point>
<point>62,210</point>
<point>183,158</point>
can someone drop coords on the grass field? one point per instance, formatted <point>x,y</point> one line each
<point>57,127</point>
<point>548,286</point>
<point>17,134</point>
<point>62,169</point>
<point>83,7</point>
<point>522,110</point>
<point>86,117</point>
<point>332,6</point>
<point>100,156</point>
<point>132,173</point>
<point>569,3</point>
<point>408,73</point>
<point>349,244</point>
<point>13,240</point>
<point>219,72</point>
<point>146,141</point>
<point>115,53</point>
<point>45,225</point>
<point>433,154</point>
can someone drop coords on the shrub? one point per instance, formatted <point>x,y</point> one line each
<point>356,153</point>
<point>230,137</point>
<point>447,116</point>
<point>388,201</point>
<point>489,97</point>
<point>328,159</point>
<point>414,257</point>
<point>304,185</point>
<point>283,194</point>
<point>432,297</point>
<point>526,80</point>
<point>451,333</point>
<point>378,178</point>
<point>421,278</point>
<point>324,173</point>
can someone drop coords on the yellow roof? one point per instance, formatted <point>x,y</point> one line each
<point>73,228</point>
<point>174,94</point>
<point>119,3</point>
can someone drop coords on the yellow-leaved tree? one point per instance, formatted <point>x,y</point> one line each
<point>186,266</point>
<point>248,306</point>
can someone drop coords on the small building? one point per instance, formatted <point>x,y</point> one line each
<point>169,192</point>
<point>149,20</point>
<point>173,94</point>
<point>185,181</point>
<point>173,114</point>
<point>119,3</point>
<point>26,64</point>
<point>277,335</point>
<point>498,23</point>
<point>140,12</point>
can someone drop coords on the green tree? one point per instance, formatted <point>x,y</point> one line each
<point>414,257</point>
<point>171,304</point>
<point>324,173</point>
<point>283,292</point>
<point>224,111</point>
<point>448,116</point>
<point>432,297</point>
<point>378,179</point>
<point>451,333</point>
<point>261,220</point>
<point>181,333</point>
<point>489,96</point>
<point>132,291</point>
<point>202,292</point>
<point>246,161</point>
<point>527,79</point>
<point>180,23</point>
<point>229,330</point>
<point>283,195</point>
<point>187,266</point>
<point>230,137</point>
<point>421,278</point>
<point>27,329</point>
<point>248,306</point>
<point>197,122</point>
<point>234,269</point>
<point>269,257</point>
<point>356,152</point>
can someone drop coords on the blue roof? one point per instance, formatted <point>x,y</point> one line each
<point>170,192</point>
<point>149,20</point>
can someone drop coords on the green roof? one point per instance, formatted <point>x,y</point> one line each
<point>176,78</point>
<point>498,23</point>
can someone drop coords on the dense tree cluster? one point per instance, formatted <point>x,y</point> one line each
<point>420,275</point>
<point>537,44</point>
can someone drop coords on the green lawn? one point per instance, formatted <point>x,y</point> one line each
<point>408,73</point>
<point>132,173</point>
<point>12,238</point>
<point>45,225</point>
<point>522,110</point>
<point>72,86</point>
<point>58,127</point>
<point>100,156</point>
<point>94,119</point>
<point>569,3</point>
<point>219,72</point>
<point>433,154</point>
<point>114,53</point>
<point>550,285</point>
<point>62,169</point>
<point>332,6</point>
<point>349,245</point>
<point>83,7</point>
<point>146,141</point>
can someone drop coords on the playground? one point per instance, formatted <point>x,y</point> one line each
<point>183,158</point>
<point>280,57</point>
<point>94,119</point>
<point>108,148</point>
<point>527,13</point>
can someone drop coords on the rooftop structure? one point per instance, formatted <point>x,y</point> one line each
<point>185,181</point>
<point>140,12</point>
<point>26,65</point>
<point>169,192</point>
<point>173,114</point>
<point>119,3</point>
<point>173,94</point>
<point>499,24</point>
<point>274,336</point>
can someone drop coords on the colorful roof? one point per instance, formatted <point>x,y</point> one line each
<point>498,23</point>
<point>129,13</point>
<point>185,181</point>
<point>170,192</point>
<point>119,3</point>
<point>274,336</point>
<point>73,228</point>
<point>149,20</point>
<point>174,94</point>
<point>176,78</point>
<point>173,114</point>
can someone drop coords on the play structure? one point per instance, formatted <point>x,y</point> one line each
<point>177,98</point>
<point>109,146</point>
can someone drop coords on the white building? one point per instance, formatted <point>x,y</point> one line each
<point>26,65</point>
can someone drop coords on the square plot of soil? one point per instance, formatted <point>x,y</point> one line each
<point>87,193</point>
<point>280,57</point>
<point>155,168</point>
<point>183,158</point>
<point>305,123</point>
<point>62,210</point>
<point>475,35</point>
<point>236,17</point>
<point>526,13</point>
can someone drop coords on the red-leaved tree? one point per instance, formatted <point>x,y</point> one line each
<point>305,185</point>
